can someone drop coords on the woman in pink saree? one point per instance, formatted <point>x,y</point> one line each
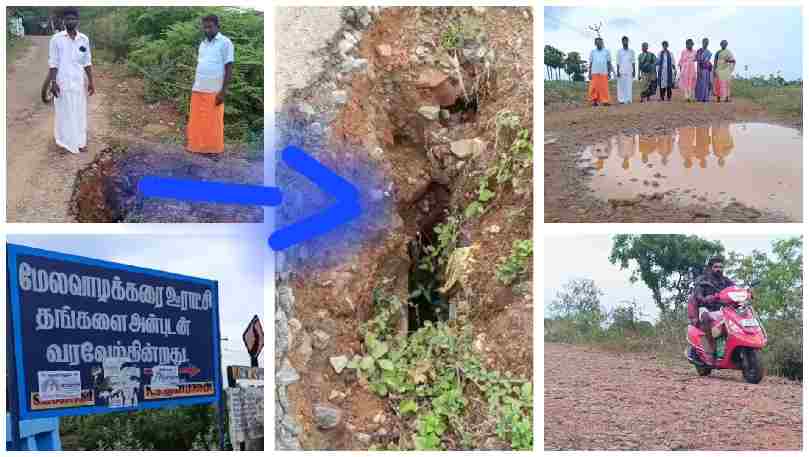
<point>688,69</point>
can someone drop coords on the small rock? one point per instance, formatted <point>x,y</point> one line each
<point>363,439</point>
<point>377,195</point>
<point>655,184</point>
<point>365,20</point>
<point>345,46</point>
<point>466,148</point>
<point>338,363</point>
<point>421,51</point>
<point>430,112</point>
<point>287,374</point>
<point>340,96</point>
<point>379,418</point>
<point>326,416</point>
<point>321,339</point>
<point>360,65</point>
<point>493,229</point>
<point>431,78</point>
<point>384,50</point>
<point>378,153</point>
<point>336,394</point>
<point>316,128</point>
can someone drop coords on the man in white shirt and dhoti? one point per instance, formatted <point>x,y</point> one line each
<point>626,71</point>
<point>71,80</point>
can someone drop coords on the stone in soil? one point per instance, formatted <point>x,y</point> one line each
<point>338,363</point>
<point>467,148</point>
<point>326,416</point>
<point>384,50</point>
<point>430,112</point>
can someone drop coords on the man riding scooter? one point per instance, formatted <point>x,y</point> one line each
<point>704,310</point>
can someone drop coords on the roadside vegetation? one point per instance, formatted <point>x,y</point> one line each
<point>667,265</point>
<point>174,429</point>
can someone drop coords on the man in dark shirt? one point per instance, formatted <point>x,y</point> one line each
<point>706,298</point>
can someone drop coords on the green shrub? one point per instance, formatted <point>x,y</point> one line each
<point>783,355</point>
<point>170,429</point>
<point>109,33</point>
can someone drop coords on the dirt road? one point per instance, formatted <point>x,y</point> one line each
<point>599,400</point>
<point>569,129</point>
<point>40,174</point>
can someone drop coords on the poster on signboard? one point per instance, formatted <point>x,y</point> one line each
<point>92,336</point>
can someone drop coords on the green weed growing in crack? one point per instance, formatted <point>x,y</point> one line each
<point>431,375</point>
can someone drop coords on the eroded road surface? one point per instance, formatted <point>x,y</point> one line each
<point>597,400</point>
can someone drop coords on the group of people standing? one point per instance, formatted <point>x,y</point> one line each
<point>699,77</point>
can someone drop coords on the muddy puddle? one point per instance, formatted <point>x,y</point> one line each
<point>758,165</point>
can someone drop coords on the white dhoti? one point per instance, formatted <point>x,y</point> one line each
<point>625,88</point>
<point>70,121</point>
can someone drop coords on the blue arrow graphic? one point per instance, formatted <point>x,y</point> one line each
<point>346,208</point>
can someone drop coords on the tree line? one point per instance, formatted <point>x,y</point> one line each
<point>570,63</point>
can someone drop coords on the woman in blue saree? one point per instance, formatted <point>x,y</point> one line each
<point>702,91</point>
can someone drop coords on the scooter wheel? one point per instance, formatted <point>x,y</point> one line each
<point>703,371</point>
<point>752,370</point>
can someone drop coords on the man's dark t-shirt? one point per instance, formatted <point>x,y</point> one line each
<point>707,285</point>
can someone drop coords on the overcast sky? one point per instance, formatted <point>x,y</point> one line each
<point>587,256</point>
<point>230,260</point>
<point>764,38</point>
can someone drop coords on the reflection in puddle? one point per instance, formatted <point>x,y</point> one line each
<point>758,165</point>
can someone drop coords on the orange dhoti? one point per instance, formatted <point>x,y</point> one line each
<point>599,88</point>
<point>206,124</point>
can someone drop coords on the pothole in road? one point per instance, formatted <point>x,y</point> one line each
<point>107,189</point>
<point>425,302</point>
<point>757,165</point>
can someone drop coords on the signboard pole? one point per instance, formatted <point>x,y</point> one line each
<point>11,378</point>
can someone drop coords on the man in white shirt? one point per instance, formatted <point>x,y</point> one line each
<point>206,122</point>
<point>626,61</point>
<point>600,71</point>
<point>71,81</point>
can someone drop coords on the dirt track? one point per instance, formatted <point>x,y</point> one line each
<point>605,401</point>
<point>40,174</point>
<point>567,196</point>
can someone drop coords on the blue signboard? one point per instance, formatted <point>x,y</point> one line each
<point>93,337</point>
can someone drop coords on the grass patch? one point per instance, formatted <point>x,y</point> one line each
<point>785,100</point>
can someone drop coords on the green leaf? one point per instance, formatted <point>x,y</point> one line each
<point>485,195</point>
<point>408,406</point>
<point>380,350</point>
<point>385,364</point>
<point>367,363</point>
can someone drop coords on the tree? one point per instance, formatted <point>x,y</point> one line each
<point>554,61</point>
<point>574,66</point>
<point>665,263</point>
<point>779,292</point>
<point>579,300</point>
